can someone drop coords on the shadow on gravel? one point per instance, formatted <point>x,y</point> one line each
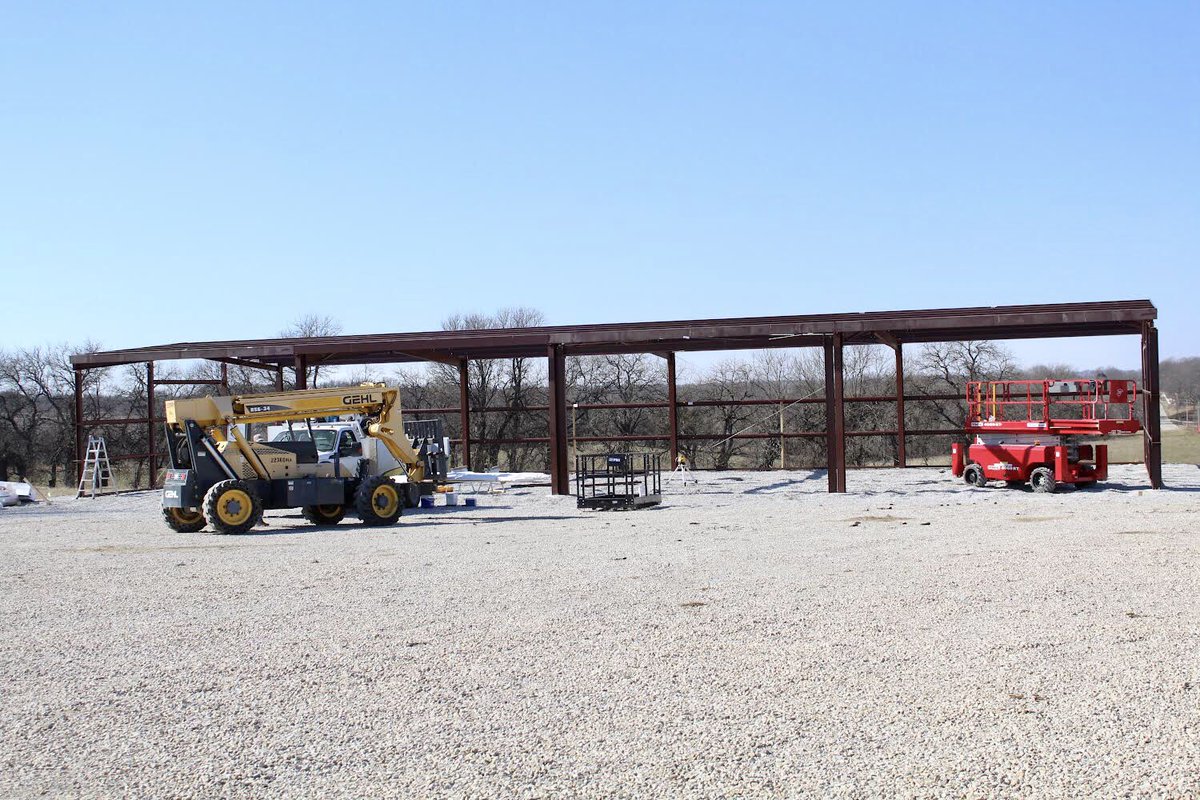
<point>410,519</point>
<point>416,523</point>
<point>1126,488</point>
<point>291,531</point>
<point>440,511</point>
<point>770,487</point>
<point>351,529</point>
<point>530,518</point>
<point>114,549</point>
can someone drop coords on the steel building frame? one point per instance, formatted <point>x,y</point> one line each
<point>831,332</point>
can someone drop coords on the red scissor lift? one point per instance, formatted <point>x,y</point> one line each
<point>1030,431</point>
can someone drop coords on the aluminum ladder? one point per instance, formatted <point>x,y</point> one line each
<point>96,475</point>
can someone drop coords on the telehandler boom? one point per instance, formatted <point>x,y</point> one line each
<point>219,478</point>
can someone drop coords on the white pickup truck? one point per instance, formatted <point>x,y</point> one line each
<point>344,444</point>
<point>340,443</point>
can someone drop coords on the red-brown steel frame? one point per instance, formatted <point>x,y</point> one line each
<point>831,332</point>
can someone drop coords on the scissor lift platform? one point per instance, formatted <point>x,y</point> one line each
<point>1030,431</point>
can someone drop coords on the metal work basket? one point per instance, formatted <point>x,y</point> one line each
<point>618,481</point>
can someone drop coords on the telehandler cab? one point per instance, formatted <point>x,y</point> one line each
<point>219,478</point>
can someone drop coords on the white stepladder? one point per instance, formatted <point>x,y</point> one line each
<point>681,469</point>
<point>96,474</point>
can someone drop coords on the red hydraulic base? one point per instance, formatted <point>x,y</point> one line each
<point>1045,467</point>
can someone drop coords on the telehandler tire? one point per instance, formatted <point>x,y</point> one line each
<point>378,501</point>
<point>1042,480</point>
<point>184,520</point>
<point>324,515</point>
<point>232,506</point>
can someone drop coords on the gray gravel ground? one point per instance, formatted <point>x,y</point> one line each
<point>752,637</point>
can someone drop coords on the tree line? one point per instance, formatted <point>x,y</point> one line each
<point>508,397</point>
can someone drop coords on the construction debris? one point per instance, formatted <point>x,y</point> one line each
<point>14,493</point>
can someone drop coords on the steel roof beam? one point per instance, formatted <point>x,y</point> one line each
<point>1000,322</point>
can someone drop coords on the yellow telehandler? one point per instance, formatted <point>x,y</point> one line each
<point>218,477</point>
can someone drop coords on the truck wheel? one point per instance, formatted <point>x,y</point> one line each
<point>324,515</point>
<point>412,494</point>
<point>1042,480</point>
<point>183,520</point>
<point>232,506</point>
<point>973,475</point>
<point>378,501</point>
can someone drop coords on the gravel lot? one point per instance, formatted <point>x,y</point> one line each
<point>753,636</point>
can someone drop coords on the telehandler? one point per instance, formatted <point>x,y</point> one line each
<point>219,478</point>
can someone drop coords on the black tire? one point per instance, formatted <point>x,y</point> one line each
<point>412,494</point>
<point>184,520</point>
<point>183,452</point>
<point>1042,480</point>
<point>232,506</point>
<point>324,515</point>
<point>973,475</point>
<point>379,501</point>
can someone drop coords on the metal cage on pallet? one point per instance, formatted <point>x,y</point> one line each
<point>616,481</point>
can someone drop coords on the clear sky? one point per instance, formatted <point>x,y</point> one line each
<point>174,172</point>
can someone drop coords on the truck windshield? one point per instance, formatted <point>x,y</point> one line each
<point>324,439</point>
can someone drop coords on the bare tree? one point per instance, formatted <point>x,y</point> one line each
<point>511,385</point>
<point>945,369</point>
<point>728,381</point>
<point>1180,383</point>
<point>20,419</point>
<point>310,326</point>
<point>867,372</point>
<point>774,375</point>
<point>586,385</point>
<point>949,366</point>
<point>954,364</point>
<point>629,379</point>
<point>37,408</point>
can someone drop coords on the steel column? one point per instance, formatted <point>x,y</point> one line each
<point>839,389</point>
<point>835,414</point>
<point>559,483</point>
<point>151,438</point>
<point>672,409</point>
<point>829,414</point>
<point>279,379</point>
<point>301,368</point>
<point>78,426</point>
<point>1151,400</point>
<point>464,410</point>
<point>225,378</point>
<point>901,455</point>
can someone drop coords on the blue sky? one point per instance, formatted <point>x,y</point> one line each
<point>211,171</point>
